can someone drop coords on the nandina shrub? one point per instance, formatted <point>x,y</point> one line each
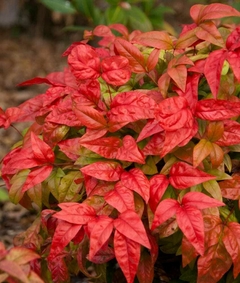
<point>132,152</point>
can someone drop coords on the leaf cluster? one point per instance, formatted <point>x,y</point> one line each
<point>133,150</point>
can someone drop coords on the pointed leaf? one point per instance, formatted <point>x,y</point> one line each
<point>90,117</point>
<point>213,69</point>
<point>214,264</point>
<point>179,75</point>
<point>207,31</point>
<point>231,241</point>
<point>100,234</point>
<point>231,188</point>
<point>217,110</point>
<point>231,134</point>
<point>152,127</point>
<point>190,221</point>
<point>120,198</point>
<point>14,270</point>
<point>165,210</point>
<point>158,186</point>
<point>173,113</point>
<point>130,225</point>
<point>200,200</point>
<point>75,213</point>
<point>115,70</point>
<point>21,255</point>
<point>136,180</point>
<point>127,253</point>
<point>129,151</point>
<point>84,62</point>
<point>131,52</point>
<point>131,106</point>
<point>233,60</point>
<point>106,147</point>
<point>37,176</point>
<point>145,272</point>
<point>156,39</point>
<point>183,175</point>
<point>107,171</point>
<point>201,151</point>
<point>64,233</point>
<point>201,13</point>
<point>58,269</point>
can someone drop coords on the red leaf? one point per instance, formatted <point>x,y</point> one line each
<point>37,176</point>
<point>75,213</point>
<point>201,13</point>
<point>190,221</point>
<point>131,52</point>
<point>21,255</point>
<point>214,264</point>
<point>233,40</point>
<point>152,59</point>
<point>136,180</point>
<point>130,225</point>
<point>233,60</point>
<point>58,269</point>
<point>200,200</point>
<point>179,75</point>
<point>84,62</point>
<point>127,253</point>
<point>231,188</point>
<point>115,70</point>
<point>145,272</point>
<point>213,69</point>
<point>120,198</point>
<point>90,117</point>
<point>158,186</point>
<point>178,138</point>
<point>64,115</point>
<point>63,234</point>
<point>155,145</point>
<point>188,252</point>
<point>163,84</point>
<point>106,147</point>
<point>201,150</point>
<point>152,127</point>
<point>41,151</point>
<point>129,151</point>
<point>131,106</point>
<point>10,116</point>
<point>231,134</point>
<point>100,234</point>
<point>173,113</point>
<point>156,39</point>
<point>120,28</point>
<point>36,80</point>
<point>14,270</point>
<point>165,210</point>
<point>207,31</point>
<point>231,240</point>
<point>102,170</point>
<point>183,175</point>
<point>216,110</point>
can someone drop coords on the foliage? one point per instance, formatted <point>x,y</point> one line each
<point>135,14</point>
<point>134,149</point>
<point>15,265</point>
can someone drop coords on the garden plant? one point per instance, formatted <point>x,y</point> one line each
<point>132,154</point>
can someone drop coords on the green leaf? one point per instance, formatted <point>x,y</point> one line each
<point>138,20</point>
<point>88,9</point>
<point>68,188</point>
<point>17,182</point>
<point>62,6</point>
<point>115,15</point>
<point>3,195</point>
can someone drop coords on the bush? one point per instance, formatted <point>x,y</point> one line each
<point>133,152</point>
